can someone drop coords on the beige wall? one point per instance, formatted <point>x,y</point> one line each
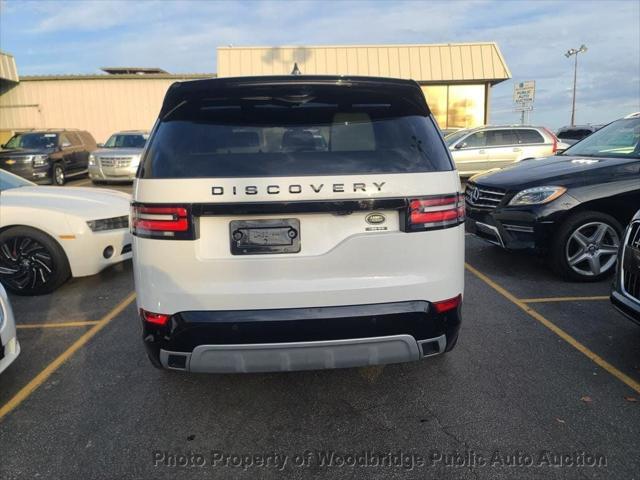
<point>99,105</point>
<point>457,106</point>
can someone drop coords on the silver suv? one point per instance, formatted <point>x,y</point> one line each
<point>118,159</point>
<point>478,149</point>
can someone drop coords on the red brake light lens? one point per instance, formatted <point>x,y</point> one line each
<point>160,319</point>
<point>449,304</point>
<point>170,222</point>
<point>435,212</point>
<point>554,147</point>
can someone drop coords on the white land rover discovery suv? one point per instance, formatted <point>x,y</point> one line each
<point>299,222</point>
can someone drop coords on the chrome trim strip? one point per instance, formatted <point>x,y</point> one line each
<point>493,230</point>
<point>518,228</point>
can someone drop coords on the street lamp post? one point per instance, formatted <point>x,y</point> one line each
<point>575,51</point>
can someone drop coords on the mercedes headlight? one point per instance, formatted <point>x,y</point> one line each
<point>114,223</point>
<point>92,160</point>
<point>39,160</point>
<point>537,195</point>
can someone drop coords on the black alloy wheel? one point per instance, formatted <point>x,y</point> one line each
<point>31,262</point>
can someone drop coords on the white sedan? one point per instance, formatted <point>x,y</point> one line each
<point>9,346</point>
<point>48,234</point>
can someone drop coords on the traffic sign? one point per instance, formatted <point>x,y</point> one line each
<point>524,92</point>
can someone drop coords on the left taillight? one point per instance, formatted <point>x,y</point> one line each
<point>169,222</point>
<point>160,319</point>
<point>432,213</point>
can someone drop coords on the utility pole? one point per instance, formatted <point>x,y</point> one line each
<point>574,51</point>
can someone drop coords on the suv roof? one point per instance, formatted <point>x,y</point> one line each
<point>36,130</point>
<point>180,92</point>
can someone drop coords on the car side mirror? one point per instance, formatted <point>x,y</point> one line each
<point>65,145</point>
<point>460,145</point>
<point>560,151</point>
<point>100,145</point>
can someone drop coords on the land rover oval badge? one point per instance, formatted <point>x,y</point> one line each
<point>375,218</point>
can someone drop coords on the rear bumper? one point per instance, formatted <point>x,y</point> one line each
<point>301,338</point>
<point>282,357</point>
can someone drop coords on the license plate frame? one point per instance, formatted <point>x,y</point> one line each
<point>261,237</point>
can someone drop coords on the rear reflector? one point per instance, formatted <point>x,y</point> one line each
<point>168,222</point>
<point>155,318</point>
<point>446,305</point>
<point>431,213</point>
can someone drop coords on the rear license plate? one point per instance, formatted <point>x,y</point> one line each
<point>254,237</point>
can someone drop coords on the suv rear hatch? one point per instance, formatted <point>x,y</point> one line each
<point>286,192</point>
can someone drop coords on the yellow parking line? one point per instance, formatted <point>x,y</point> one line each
<point>563,299</point>
<point>557,330</point>
<point>56,325</point>
<point>39,379</point>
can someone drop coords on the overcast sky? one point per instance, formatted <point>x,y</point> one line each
<point>58,37</point>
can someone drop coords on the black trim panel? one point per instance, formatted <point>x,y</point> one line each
<point>186,330</point>
<point>308,206</point>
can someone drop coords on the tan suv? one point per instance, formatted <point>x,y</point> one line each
<point>479,149</point>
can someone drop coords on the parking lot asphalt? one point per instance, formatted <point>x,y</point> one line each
<point>544,372</point>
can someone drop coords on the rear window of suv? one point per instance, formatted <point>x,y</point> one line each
<point>316,130</point>
<point>529,136</point>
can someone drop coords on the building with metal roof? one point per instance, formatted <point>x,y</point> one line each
<point>127,98</point>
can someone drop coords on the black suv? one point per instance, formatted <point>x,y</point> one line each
<point>48,156</point>
<point>572,206</point>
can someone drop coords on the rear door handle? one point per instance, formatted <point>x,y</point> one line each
<point>517,149</point>
<point>481,151</point>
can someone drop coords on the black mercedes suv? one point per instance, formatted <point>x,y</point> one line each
<point>571,207</point>
<point>48,156</point>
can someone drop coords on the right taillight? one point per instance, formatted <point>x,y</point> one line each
<point>170,222</point>
<point>446,305</point>
<point>431,213</point>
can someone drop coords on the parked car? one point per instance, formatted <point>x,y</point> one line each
<point>571,206</point>
<point>48,234</point>
<point>571,135</point>
<point>118,159</point>
<point>9,345</point>
<point>478,149</point>
<point>259,248</point>
<point>625,294</point>
<point>48,156</point>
